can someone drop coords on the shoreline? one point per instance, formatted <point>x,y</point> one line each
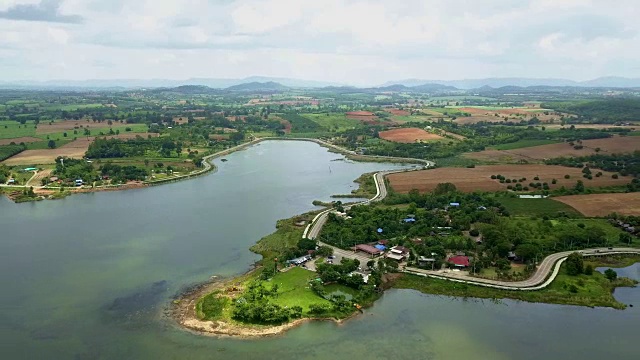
<point>47,192</point>
<point>182,310</point>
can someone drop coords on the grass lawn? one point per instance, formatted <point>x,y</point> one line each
<point>536,207</point>
<point>287,235</point>
<point>523,144</point>
<point>337,122</point>
<point>293,289</point>
<point>593,290</point>
<point>13,129</point>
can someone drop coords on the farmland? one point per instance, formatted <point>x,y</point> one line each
<point>604,204</point>
<point>73,149</point>
<point>479,178</point>
<point>335,122</point>
<point>408,135</point>
<point>616,144</point>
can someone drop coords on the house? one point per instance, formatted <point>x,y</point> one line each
<point>53,179</point>
<point>398,253</point>
<point>79,182</point>
<point>370,250</point>
<point>11,181</point>
<point>454,204</point>
<point>424,261</point>
<point>380,247</point>
<point>512,255</point>
<point>459,261</point>
<point>383,242</point>
<point>409,220</point>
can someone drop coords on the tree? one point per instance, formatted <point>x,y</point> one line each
<point>324,251</point>
<point>444,188</point>
<point>51,144</point>
<point>579,186</point>
<point>611,274</point>
<point>588,270</point>
<point>306,244</point>
<point>575,264</point>
<point>526,251</point>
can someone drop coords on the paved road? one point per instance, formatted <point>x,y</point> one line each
<point>545,273</point>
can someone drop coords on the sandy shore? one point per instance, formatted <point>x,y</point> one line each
<point>183,311</point>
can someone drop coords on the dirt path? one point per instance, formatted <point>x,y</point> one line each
<point>38,176</point>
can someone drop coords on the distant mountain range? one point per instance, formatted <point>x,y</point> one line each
<point>609,82</point>
<point>262,83</point>
<point>163,83</point>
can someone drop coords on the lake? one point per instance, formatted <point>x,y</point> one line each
<point>87,277</point>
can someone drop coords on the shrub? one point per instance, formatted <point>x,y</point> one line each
<point>588,270</point>
<point>614,176</point>
<point>554,181</point>
<point>567,176</point>
<point>474,232</point>
<point>493,177</point>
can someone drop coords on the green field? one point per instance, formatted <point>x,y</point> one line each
<point>536,207</point>
<point>523,144</point>
<point>72,107</point>
<point>293,289</point>
<point>334,122</point>
<point>13,129</point>
<point>410,118</point>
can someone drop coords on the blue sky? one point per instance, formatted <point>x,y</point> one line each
<point>356,42</point>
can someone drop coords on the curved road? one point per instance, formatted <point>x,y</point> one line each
<point>545,273</point>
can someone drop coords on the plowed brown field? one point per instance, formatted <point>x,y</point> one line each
<point>604,204</point>
<point>408,135</point>
<point>616,144</point>
<point>479,178</point>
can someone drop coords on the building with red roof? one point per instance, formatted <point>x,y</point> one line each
<point>459,261</point>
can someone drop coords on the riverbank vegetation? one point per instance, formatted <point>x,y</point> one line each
<point>592,290</point>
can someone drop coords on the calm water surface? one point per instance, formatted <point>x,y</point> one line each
<point>87,277</point>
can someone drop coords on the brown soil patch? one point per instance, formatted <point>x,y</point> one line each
<point>70,125</point>
<point>479,178</point>
<point>604,204</point>
<point>408,135</point>
<point>75,149</point>
<point>181,120</point>
<point>26,140</point>
<point>616,144</point>
<point>590,126</point>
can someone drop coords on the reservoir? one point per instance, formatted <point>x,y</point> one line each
<point>88,277</point>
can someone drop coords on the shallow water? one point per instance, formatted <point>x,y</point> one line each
<point>87,277</point>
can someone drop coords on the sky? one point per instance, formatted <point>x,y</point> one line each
<point>347,41</point>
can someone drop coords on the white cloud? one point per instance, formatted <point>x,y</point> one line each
<point>354,41</point>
